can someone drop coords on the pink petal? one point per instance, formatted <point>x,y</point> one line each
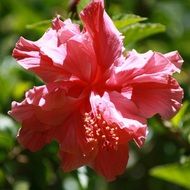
<point>43,61</point>
<point>67,31</point>
<point>57,24</point>
<point>42,115</point>
<point>80,60</point>
<point>175,58</point>
<point>111,163</point>
<point>73,161</point>
<point>153,98</point>
<point>41,102</point>
<point>71,136</point>
<point>34,139</point>
<point>46,56</point>
<point>106,38</point>
<point>140,68</point>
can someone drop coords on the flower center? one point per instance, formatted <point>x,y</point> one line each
<point>98,131</point>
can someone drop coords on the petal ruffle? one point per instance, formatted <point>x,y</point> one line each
<point>175,58</point>
<point>42,115</point>
<point>44,61</point>
<point>153,98</point>
<point>106,39</point>
<point>80,59</point>
<point>46,56</point>
<point>67,31</point>
<point>147,67</point>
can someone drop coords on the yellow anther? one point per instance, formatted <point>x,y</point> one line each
<point>103,122</point>
<point>107,128</point>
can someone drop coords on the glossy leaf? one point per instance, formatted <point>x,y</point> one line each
<point>82,4</point>
<point>175,173</point>
<point>177,120</point>
<point>126,20</point>
<point>139,31</point>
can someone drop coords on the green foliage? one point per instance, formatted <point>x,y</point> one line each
<point>10,81</point>
<point>140,31</point>
<point>42,24</point>
<point>82,4</point>
<point>122,21</point>
<point>177,121</point>
<point>133,30</point>
<point>174,173</point>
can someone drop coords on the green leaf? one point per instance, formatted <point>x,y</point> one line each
<point>175,173</point>
<point>82,4</point>
<point>177,120</point>
<point>44,23</point>
<point>139,31</point>
<point>21,185</point>
<point>20,88</point>
<point>126,20</point>
<point>2,177</point>
<point>6,140</point>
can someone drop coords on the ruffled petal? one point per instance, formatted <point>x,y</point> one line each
<point>41,58</point>
<point>67,31</point>
<point>175,58</point>
<point>46,56</point>
<point>107,40</point>
<point>80,60</point>
<point>153,98</point>
<point>42,115</point>
<point>41,101</point>
<point>147,67</point>
<point>111,163</point>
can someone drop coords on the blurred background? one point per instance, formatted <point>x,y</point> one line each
<point>164,160</point>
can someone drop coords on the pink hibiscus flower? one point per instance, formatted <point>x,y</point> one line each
<point>94,100</point>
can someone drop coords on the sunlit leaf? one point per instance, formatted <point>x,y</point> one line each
<point>6,140</point>
<point>21,185</point>
<point>175,173</point>
<point>177,120</point>
<point>20,88</point>
<point>2,177</point>
<point>82,4</point>
<point>43,23</point>
<point>126,20</point>
<point>139,31</point>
